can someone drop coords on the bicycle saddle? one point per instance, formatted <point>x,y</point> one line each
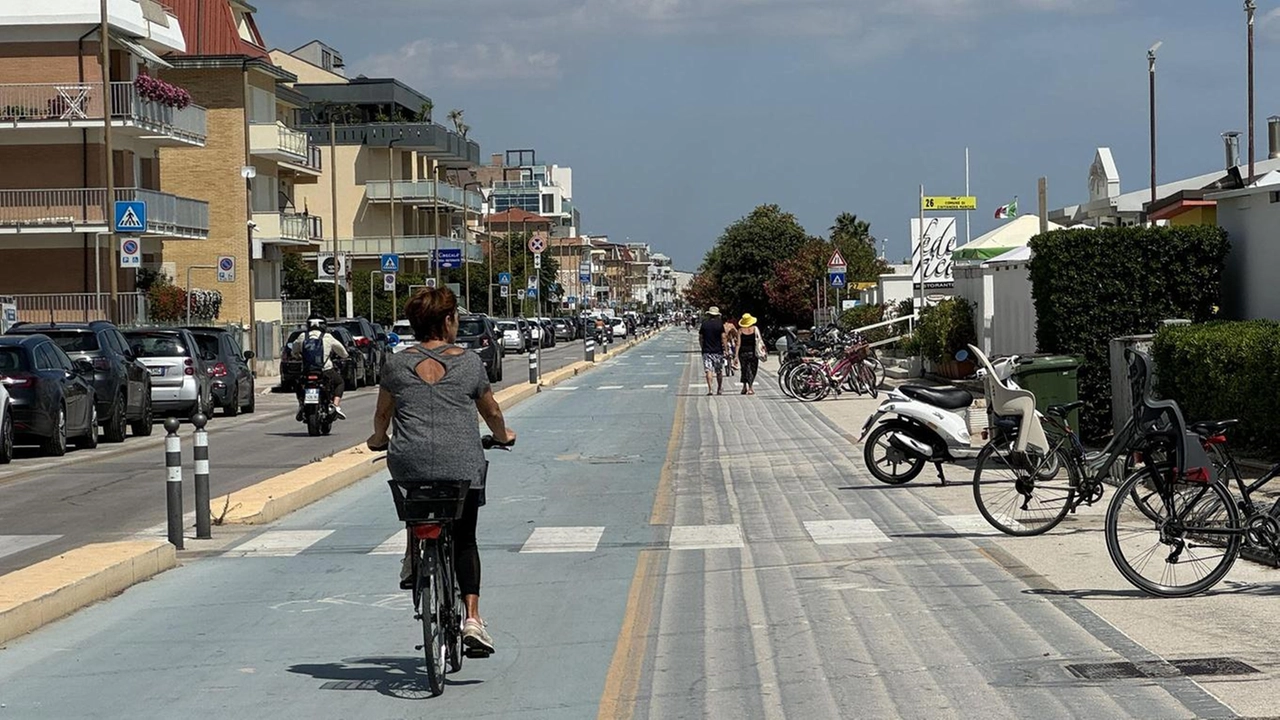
<point>1209,428</point>
<point>945,398</point>
<point>1065,409</point>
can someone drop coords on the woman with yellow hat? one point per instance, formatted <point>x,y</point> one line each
<point>750,352</point>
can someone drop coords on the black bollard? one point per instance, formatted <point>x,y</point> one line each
<point>533,368</point>
<point>590,350</point>
<point>173,487</point>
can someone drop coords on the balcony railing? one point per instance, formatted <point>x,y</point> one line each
<point>424,191</point>
<point>288,227</point>
<point>86,210</point>
<point>73,103</point>
<point>275,139</point>
<point>420,245</point>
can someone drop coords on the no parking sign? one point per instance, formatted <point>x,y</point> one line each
<point>130,253</point>
<point>226,269</point>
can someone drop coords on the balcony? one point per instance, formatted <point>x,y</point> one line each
<point>85,210</point>
<point>80,105</point>
<point>429,139</point>
<point>411,246</point>
<point>284,228</point>
<point>424,192</point>
<point>285,145</point>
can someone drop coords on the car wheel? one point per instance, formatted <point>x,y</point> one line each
<point>143,425</point>
<point>114,430</point>
<point>351,383</point>
<point>56,444</point>
<point>6,437</point>
<point>502,368</point>
<point>89,440</point>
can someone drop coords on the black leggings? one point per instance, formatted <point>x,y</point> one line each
<point>750,364</point>
<point>466,554</point>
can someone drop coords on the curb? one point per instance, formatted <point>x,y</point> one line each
<point>39,594</point>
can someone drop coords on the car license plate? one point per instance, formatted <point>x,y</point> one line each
<point>312,396</point>
<point>156,371</point>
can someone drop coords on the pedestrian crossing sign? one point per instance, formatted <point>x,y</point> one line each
<point>390,263</point>
<point>130,216</point>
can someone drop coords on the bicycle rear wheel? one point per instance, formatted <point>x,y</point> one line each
<point>810,383</point>
<point>867,378</point>
<point>784,378</point>
<point>433,634</point>
<point>1190,545</point>
<point>1020,496</point>
<point>454,611</point>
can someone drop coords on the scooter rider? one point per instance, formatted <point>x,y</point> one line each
<point>317,349</point>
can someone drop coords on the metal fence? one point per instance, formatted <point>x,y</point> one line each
<point>269,337</point>
<point>71,102</point>
<point>167,214</point>
<point>294,312</point>
<point>80,307</point>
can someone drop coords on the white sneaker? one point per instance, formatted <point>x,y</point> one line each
<point>337,410</point>
<point>476,639</point>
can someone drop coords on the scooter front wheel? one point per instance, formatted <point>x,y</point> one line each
<point>887,463</point>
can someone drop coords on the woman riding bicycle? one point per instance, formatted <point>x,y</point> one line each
<point>433,391</point>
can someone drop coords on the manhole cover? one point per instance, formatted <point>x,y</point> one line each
<point>1125,670</point>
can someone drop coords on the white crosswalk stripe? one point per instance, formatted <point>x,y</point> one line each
<point>705,537</point>
<point>563,388</point>
<point>610,387</point>
<point>563,540</point>
<point>11,544</point>
<point>975,524</point>
<point>279,543</point>
<point>655,387</point>
<point>393,545</point>
<point>844,532</point>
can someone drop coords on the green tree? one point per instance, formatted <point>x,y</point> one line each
<point>299,283</point>
<point>849,227</point>
<point>745,256</point>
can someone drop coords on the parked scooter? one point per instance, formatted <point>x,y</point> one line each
<point>929,424</point>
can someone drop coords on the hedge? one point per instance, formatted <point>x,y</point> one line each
<point>1225,370</point>
<point>943,330</point>
<point>1090,286</point>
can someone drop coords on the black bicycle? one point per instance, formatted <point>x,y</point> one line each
<point>428,509</point>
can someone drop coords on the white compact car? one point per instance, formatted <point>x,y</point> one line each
<point>619,327</point>
<point>512,338</point>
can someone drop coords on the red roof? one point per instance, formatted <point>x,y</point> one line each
<point>209,27</point>
<point>517,216</point>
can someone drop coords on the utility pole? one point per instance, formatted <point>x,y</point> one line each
<point>1249,7</point>
<point>333,208</point>
<point>1151,95</point>
<point>1043,192</point>
<point>110,209</point>
<point>391,217</point>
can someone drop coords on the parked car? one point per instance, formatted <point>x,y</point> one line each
<point>6,426</point>
<point>619,326</point>
<point>512,336</point>
<point>49,395</point>
<point>231,378</point>
<point>404,330</point>
<point>121,384</point>
<point>370,342</point>
<point>563,329</point>
<point>353,369</point>
<point>476,334</point>
<point>180,382</point>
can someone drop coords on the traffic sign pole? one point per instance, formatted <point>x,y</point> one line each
<point>918,260</point>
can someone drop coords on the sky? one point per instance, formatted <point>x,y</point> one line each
<point>680,116</point>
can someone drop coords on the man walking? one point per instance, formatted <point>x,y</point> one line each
<point>713,341</point>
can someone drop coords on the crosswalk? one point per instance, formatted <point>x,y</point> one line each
<point>589,539</point>
<point>13,544</point>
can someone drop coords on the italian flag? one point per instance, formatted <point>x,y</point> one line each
<point>1005,212</point>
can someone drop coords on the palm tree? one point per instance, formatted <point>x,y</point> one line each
<point>425,114</point>
<point>849,227</point>
<point>455,117</point>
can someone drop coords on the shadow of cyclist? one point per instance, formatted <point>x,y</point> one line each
<point>397,677</point>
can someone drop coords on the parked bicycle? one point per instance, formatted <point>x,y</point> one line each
<point>830,362</point>
<point>428,509</point>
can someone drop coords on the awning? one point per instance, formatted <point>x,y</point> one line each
<point>140,50</point>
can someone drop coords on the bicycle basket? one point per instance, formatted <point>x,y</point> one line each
<point>423,501</point>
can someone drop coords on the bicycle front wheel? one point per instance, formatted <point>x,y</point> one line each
<point>810,383</point>
<point>1172,538</point>
<point>433,632</point>
<point>1022,495</point>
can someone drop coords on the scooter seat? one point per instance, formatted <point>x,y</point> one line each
<point>945,398</point>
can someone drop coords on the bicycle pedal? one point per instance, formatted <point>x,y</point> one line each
<point>418,647</point>
<point>475,653</point>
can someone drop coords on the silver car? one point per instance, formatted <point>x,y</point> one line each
<point>512,337</point>
<point>180,382</point>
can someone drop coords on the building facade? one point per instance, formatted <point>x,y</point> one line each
<point>518,181</point>
<point>57,250</point>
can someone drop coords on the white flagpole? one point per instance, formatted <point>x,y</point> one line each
<point>966,192</point>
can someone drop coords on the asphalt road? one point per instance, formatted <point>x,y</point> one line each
<point>48,505</point>
<point>648,552</point>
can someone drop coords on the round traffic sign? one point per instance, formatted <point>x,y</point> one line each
<point>329,265</point>
<point>537,244</point>
<point>130,247</point>
<point>226,264</point>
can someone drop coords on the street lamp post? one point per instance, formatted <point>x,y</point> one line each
<point>1249,7</point>
<point>391,216</point>
<point>1151,96</point>
<point>466,246</point>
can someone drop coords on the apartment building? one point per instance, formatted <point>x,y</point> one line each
<point>402,182</point>
<point>517,181</point>
<point>56,248</point>
<point>662,283</point>
<point>251,166</point>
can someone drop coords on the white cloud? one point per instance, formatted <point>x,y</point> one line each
<point>429,61</point>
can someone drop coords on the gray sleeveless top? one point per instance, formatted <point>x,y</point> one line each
<point>437,431</point>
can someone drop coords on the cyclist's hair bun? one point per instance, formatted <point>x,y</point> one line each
<point>428,310</point>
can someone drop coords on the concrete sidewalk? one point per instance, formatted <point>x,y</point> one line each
<point>1237,619</point>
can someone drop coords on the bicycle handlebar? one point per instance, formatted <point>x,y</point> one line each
<point>489,442</point>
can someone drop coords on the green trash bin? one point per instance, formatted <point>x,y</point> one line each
<point>1053,379</point>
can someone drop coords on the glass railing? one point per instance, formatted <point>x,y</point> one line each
<point>419,191</point>
<point>75,101</point>
<point>408,245</point>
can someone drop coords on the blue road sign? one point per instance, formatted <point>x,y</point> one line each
<point>504,278</point>
<point>531,293</point>
<point>449,257</point>
<point>584,278</point>
<point>837,280</point>
<point>131,216</point>
<point>390,263</point>
<point>571,299</point>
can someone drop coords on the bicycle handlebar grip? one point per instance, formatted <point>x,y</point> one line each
<point>489,442</point>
